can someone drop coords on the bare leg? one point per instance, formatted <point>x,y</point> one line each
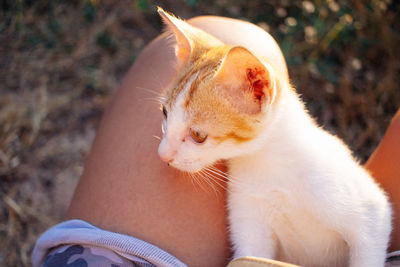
<point>126,188</point>
<point>384,164</point>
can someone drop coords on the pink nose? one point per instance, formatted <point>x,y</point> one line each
<point>166,151</point>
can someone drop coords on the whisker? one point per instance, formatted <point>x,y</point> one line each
<point>192,179</point>
<point>158,101</point>
<point>204,182</point>
<point>199,181</point>
<point>222,176</point>
<point>157,137</point>
<point>222,182</point>
<point>148,90</point>
<point>157,78</point>
<point>159,97</point>
<point>219,172</point>
<point>214,181</point>
<point>209,180</point>
<point>225,176</point>
<point>195,182</point>
<point>217,177</point>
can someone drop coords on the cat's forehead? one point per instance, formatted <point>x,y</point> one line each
<point>203,67</point>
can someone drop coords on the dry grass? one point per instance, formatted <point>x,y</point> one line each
<point>61,61</point>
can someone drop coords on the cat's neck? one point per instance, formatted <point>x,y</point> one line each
<point>286,124</point>
<point>287,117</point>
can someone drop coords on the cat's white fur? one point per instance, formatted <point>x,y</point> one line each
<point>296,192</point>
<point>301,197</point>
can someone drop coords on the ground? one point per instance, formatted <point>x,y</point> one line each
<point>61,61</point>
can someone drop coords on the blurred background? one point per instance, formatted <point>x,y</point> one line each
<point>61,61</point>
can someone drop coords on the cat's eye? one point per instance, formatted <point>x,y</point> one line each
<point>164,111</point>
<point>197,136</point>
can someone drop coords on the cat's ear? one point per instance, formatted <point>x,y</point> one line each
<point>179,29</point>
<point>247,79</point>
<point>190,41</point>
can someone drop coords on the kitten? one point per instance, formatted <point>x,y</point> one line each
<point>295,193</point>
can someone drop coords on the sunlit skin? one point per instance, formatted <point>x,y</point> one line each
<point>126,188</point>
<point>384,164</point>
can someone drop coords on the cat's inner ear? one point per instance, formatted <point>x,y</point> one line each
<point>179,29</point>
<point>246,81</point>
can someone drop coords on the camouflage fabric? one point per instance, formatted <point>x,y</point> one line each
<point>393,259</point>
<point>78,243</point>
<point>88,256</point>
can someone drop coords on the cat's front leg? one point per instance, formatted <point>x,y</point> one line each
<point>368,246</point>
<point>363,221</point>
<point>251,235</point>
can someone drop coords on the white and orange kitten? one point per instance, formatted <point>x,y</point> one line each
<point>295,193</point>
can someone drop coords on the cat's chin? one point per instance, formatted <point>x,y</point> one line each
<point>187,168</point>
